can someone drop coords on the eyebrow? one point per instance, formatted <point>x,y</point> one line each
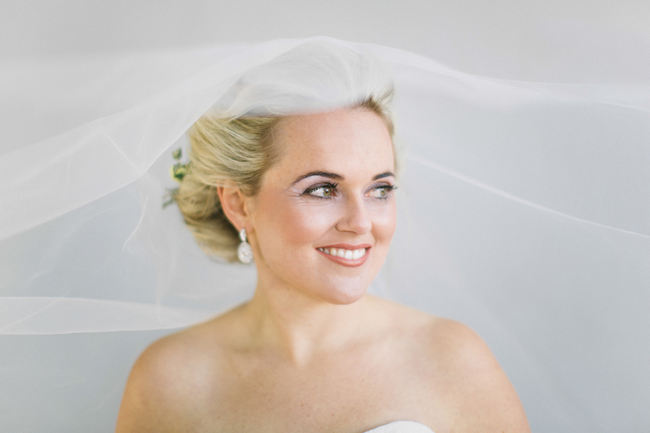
<point>337,176</point>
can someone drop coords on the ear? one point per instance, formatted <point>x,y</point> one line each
<point>235,205</point>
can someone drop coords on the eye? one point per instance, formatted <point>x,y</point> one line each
<point>382,192</point>
<point>325,191</point>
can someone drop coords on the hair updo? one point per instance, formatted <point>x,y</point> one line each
<point>240,149</point>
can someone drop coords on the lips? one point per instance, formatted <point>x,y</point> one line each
<point>346,254</point>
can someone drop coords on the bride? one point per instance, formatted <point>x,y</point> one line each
<point>310,197</point>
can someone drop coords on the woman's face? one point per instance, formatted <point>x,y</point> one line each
<point>324,216</point>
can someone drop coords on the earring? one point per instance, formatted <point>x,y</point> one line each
<point>244,251</point>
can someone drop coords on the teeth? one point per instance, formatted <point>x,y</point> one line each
<point>346,254</point>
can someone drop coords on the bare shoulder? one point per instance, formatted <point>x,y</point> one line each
<point>469,388</point>
<point>478,388</point>
<point>166,384</point>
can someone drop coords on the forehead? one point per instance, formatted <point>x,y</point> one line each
<point>348,139</point>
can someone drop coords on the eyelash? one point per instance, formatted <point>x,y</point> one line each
<point>386,187</point>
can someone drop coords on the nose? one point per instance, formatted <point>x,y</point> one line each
<point>355,217</point>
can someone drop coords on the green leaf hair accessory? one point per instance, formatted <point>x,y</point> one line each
<point>177,172</point>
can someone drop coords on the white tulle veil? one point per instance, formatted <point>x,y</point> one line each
<point>523,211</point>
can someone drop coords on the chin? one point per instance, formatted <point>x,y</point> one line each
<point>342,295</point>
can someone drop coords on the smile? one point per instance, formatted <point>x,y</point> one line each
<point>346,256</point>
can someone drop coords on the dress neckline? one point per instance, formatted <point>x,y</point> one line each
<point>401,426</point>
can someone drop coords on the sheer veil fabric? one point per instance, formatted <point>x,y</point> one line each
<point>523,211</point>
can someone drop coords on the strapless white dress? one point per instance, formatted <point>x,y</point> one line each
<point>401,427</point>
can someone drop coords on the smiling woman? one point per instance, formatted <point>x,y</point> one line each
<point>522,211</point>
<point>290,220</point>
<point>314,194</point>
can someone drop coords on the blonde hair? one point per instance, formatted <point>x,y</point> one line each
<point>238,150</point>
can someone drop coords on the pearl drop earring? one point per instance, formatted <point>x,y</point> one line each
<point>244,251</point>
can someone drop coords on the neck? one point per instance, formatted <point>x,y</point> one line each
<point>300,327</point>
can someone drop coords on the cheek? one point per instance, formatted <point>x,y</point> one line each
<point>291,223</point>
<point>384,220</point>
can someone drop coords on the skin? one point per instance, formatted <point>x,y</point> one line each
<point>311,351</point>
